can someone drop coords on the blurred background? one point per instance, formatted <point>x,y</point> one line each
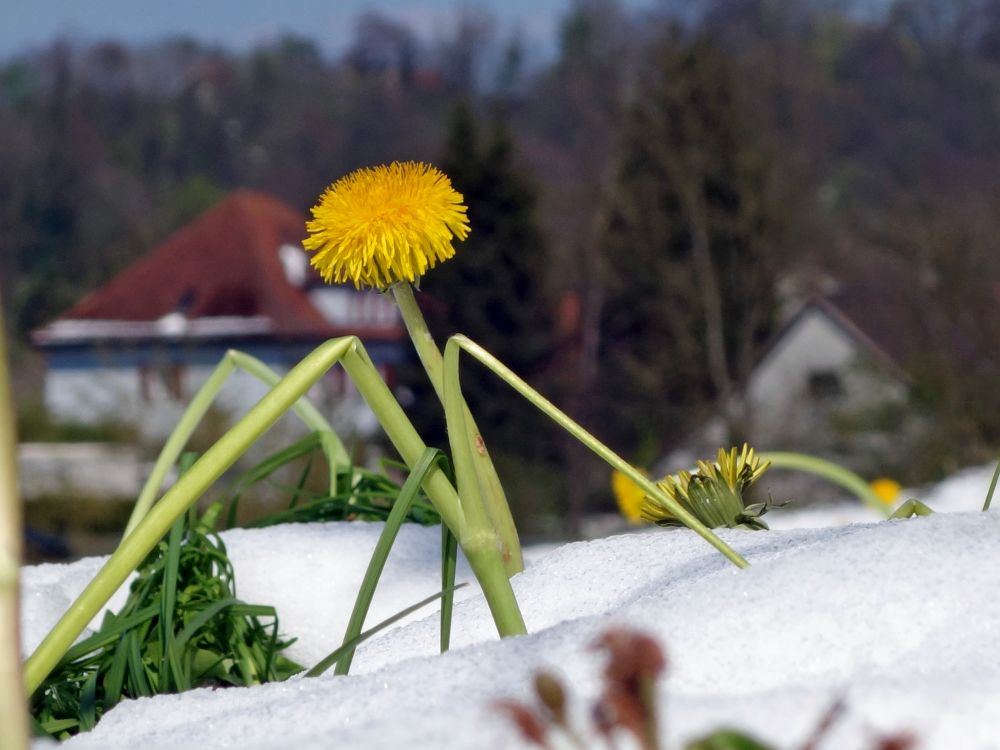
<point>694,223</point>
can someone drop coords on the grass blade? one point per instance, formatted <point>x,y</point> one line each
<point>386,539</point>
<point>993,486</point>
<point>449,560</point>
<point>116,678</point>
<point>88,704</point>
<point>268,466</point>
<point>105,638</point>
<point>167,603</point>
<point>335,657</point>
<point>204,616</point>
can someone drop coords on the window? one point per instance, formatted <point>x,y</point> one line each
<point>825,385</point>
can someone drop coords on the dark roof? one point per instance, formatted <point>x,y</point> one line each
<point>880,307</point>
<point>224,263</point>
<point>875,336</point>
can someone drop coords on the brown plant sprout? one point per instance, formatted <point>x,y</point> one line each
<point>899,741</point>
<point>529,723</point>
<point>552,696</point>
<point>828,719</point>
<point>628,702</point>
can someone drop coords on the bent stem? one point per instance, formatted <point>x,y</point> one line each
<point>490,489</point>
<point>563,420</point>
<point>333,448</point>
<point>13,704</point>
<point>189,487</point>
<point>484,558</point>
<point>832,472</point>
<point>224,453</point>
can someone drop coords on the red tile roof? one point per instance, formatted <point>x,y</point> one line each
<point>224,263</point>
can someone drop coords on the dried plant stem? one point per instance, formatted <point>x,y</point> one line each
<point>13,702</point>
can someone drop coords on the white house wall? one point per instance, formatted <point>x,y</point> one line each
<point>96,394</point>
<point>779,395</point>
<point>92,395</point>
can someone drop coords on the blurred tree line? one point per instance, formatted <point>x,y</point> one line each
<point>638,202</point>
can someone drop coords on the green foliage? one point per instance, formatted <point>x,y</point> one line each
<point>182,627</point>
<point>911,508</point>
<point>35,425</point>
<point>356,494</point>
<point>727,739</point>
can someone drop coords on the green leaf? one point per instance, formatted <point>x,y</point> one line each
<point>336,655</point>
<point>727,739</point>
<point>386,539</point>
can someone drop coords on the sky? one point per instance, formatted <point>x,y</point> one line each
<point>241,24</point>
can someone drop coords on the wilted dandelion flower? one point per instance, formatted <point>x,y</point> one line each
<point>713,493</point>
<point>380,225</point>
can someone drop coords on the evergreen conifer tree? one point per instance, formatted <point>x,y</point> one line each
<point>494,289</point>
<point>690,252</point>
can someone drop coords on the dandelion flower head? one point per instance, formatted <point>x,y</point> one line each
<point>380,225</point>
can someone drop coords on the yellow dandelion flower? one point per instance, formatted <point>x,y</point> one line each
<point>629,496</point>
<point>380,225</point>
<point>886,489</point>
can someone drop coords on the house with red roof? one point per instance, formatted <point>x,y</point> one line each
<point>138,348</point>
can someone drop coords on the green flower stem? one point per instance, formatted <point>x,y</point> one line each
<point>831,471</point>
<point>184,493</point>
<point>574,429</point>
<point>490,488</point>
<point>13,703</point>
<point>335,452</point>
<point>482,550</point>
<point>190,486</point>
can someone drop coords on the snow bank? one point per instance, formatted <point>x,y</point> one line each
<point>901,619</point>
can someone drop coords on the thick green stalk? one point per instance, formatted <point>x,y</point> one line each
<point>832,472</point>
<point>190,486</point>
<point>574,429</point>
<point>333,447</point>
<point>13,703</point>
<point>185,492</point>
<point>484,554</point>
<point>490,488</point>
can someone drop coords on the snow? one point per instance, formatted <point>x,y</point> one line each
<point>900,619</point>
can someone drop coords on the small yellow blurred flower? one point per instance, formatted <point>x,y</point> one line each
<point>629,496</point>
<point>886,489</point>
<point>380,225</point>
